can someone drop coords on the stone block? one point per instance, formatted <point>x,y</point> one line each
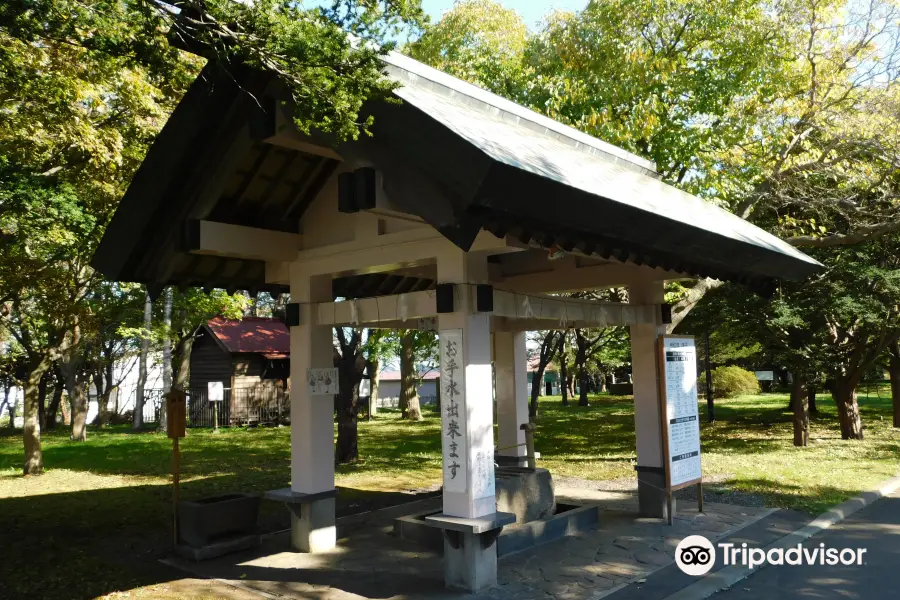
<point>526,493</point>
<point>208,520</point>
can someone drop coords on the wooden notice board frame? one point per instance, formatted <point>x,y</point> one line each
<point>664,426</point>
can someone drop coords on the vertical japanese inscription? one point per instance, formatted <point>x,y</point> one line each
<point>453,409</point>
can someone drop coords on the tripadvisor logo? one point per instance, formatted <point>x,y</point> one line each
<point>696,555</point>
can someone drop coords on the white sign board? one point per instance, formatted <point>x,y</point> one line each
<point>215,391</point>
<point>427,324</point>
<point>365,388</point>
<point>681,412</point>
<point>765,375</point>
<point>453,408</point>
<point>322,382</point>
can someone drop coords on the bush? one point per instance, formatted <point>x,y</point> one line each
<point>729,382</point>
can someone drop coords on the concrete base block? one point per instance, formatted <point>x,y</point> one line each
<point>313,527</point>
<point>225,546</point>
<point>470,561</point>
<point>652,495</point>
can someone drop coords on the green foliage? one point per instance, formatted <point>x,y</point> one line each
<point>479,41</point>
<point>329,57</point>
<point>732,381</point>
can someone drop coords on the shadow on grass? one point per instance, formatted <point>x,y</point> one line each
<point>89,543</point>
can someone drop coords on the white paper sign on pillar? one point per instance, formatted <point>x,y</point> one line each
<point>454,440</point>
<point>680,410</point>
<point>322,382</point>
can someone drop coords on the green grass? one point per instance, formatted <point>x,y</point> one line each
<point>100,515</point>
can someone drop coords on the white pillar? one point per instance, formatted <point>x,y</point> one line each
<point>312,419</point>
<point>467,425</point>
<point>647,416</point>
<point>465,343</point>
<point>511,375</point>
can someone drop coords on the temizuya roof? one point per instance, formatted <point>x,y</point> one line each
<point>502,167</point>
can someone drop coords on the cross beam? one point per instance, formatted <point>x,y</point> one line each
<point>511,311</point>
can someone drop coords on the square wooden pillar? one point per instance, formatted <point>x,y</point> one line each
<point>511,377</point>
<point>647,416</point>
<point>312,421</point>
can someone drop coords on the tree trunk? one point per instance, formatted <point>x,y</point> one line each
<point>75,387</point>
<point>100,387</point>
<point>42,402</point>
<point>583,383</point>
<point>5,405</point>
<point>537,383</point>
<point>563,372</point>
<point>346,448</point>
<point>31,426</point>
<point>166,356</point>
<point>53,408</point>
<point>792,399</point>
<point>801,411</point>
<point>137,421</point>
<point>811,395</point>
<point>65,405</point>
<point>183,358</point>
<point>848,409</point>
<point>409,398</point>
<point>374,375</point>
<point>894,370</point>
<point>167,342</point>
<point>11,407</point>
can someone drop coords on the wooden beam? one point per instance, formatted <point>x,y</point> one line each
<point>572,278</point>
<point>560,313</point>
<point>235,241</point>
<point>389,252</point>
<point>400,308</point>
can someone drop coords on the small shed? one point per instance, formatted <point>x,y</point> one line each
<point>389,388</point>
<point>251,357</point>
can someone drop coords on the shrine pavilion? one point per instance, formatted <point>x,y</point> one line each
<point>462,207</point>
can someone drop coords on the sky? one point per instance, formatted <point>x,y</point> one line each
<point>532,11</point>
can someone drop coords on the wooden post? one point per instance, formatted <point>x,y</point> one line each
<point>529,428</point>
<point>175,426</point>
<point>175,483</point>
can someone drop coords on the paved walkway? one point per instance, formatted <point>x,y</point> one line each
<point>875,528</point>
<point>370,563</point>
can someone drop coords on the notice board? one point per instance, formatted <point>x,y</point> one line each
<point>679,410</point>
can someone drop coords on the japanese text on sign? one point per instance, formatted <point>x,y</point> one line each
<point>682,414</point>
<point>453,406</point>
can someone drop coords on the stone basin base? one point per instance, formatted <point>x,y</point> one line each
<point>568,520</point>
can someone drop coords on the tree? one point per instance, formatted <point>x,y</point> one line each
<point>329,57</point>
<point>138,415</point>
<point>75,124</point>
<point>415,347</point>
<point>350,363</point>
<point>550,343</point>
<point>479,41</point>
<point>86,87</point>
<point>784,113</point>
<point>377,349</point>
<point>894,370</point>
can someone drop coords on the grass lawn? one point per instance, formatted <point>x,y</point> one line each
<point>95,522</point>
